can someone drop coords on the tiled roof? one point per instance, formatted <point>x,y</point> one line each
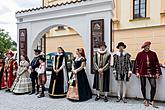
<point>50,6</point>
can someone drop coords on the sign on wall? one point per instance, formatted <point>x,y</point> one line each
<point>97,35</point>
<point>22,42</point>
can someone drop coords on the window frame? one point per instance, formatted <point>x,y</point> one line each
<point>139,13</point>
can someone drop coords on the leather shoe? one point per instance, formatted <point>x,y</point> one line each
<point>36,93</point>
<point>97,98</point>
<point>124,100</point>
<point>41,95</point>
<point>31,93</point>
<point>105,99</point>
<point>118,99</point>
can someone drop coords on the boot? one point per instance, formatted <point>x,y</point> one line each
<point>42,93</point>
<point>38,87</point>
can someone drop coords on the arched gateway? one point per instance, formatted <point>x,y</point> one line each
<point>91,19</point>
<point>34,23</point>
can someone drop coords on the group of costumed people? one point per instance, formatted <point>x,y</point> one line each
<point>29,77</point>
<point>74,86</point>
<point>146,66</point>
<point>22,78</point>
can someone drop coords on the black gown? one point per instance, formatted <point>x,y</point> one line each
<point>80,91</point>
<point>56,87</point>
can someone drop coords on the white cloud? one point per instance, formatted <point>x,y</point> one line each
<point>24,4</point>
<point>8,9</point>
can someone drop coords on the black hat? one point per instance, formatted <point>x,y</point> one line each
<point>37,50</point>
<point>102,44</point>
<point>121,44</point>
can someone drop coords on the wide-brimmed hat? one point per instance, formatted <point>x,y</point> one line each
<point>146,44</point>
<point>102,44</point>
<point>121,44</point>
<point>37,50</point>
<point>10,53</point>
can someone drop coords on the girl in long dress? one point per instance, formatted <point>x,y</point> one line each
<point>22,83</point>
<point>79,89</point>
<point>59,78</point>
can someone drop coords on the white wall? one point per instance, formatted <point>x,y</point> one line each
<point>134,88</point>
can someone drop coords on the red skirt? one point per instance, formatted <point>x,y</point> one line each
<point>42,79</point>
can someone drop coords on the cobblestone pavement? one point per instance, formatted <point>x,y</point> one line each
<point>8,101</point>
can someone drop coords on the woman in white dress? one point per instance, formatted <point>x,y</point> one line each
<point>22,83</point>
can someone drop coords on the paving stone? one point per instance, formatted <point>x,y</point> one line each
<point>8,101</point>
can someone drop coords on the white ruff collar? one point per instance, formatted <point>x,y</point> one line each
<point>102,52</point>
<point>118,53</point>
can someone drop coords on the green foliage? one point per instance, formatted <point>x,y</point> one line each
<point>6,42</point>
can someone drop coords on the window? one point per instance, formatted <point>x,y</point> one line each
<point>61,28</point>
<point>139,8</point>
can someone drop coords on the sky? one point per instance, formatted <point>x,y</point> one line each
<point>7,13</point>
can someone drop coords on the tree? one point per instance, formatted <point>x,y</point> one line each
<point>14,46</point>
<point>6,43</point>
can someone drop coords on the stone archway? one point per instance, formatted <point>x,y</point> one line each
<point>69,41</point>
<point>76,15</point>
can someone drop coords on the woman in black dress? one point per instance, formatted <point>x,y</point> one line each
<point>79,89</point>
<point>59,78</point>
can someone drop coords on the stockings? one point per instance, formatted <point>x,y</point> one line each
<point>152,82</point>
<point>121,85</point>
<point>105,93</point>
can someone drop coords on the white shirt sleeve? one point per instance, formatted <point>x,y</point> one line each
<point>41,69</point>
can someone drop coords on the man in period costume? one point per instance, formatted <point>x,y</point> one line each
<point>34,75</point>
<point>102,68</point>
<point>147,67</point>
<point>2,64</point>
<point>122,70</point>
<point>10,71</point>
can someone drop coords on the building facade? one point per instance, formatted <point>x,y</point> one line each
<point>80,18</point>
<point>61,35</point>
<point>137,21</point>
<point>69,24</point>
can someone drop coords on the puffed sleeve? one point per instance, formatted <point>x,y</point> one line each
<point>83,62</point>
<point>137,64</point>
<point>157,65</point>
<point>114,63</point>
<point>129,63</point>
<point>107,65</point>
<point>96,67</point>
